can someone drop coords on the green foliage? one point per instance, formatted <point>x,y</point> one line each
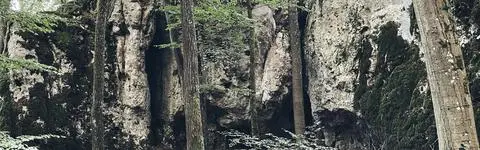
<point>213,19</point>
<point>34,22</point>
<point>273,3</point>
<point>15,64</point>
<point>280,4</point>
<point>222,27</point>
<point>18,143</point>
<point>30,21</point>
<point>3,6</point>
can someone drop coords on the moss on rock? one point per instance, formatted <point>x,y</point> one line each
<point>398,104</point>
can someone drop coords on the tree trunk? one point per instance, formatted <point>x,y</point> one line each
<point>190,80</point>
<point>255,126</point>
<point>446,76</point>
<point>4,103</point>
<point>3,27</point>
<point>98,76</point>
<point>4,4</point>
<point>297,87</point>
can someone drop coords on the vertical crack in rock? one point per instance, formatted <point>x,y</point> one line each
<point>153,67</point>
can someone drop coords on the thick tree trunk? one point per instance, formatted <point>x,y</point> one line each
<point>98,76</point>
<point>4,107</point>
<point>3,24</point>
<point>3,27</point>
<point>254,98</point>
<point>297,87</point>
<point>190,81</point>
<point>446,76</point>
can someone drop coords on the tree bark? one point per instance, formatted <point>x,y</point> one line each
<point>98,75</point>
<point>4,4</point>
<point>4,104</point>
<point>297,87</point>
<point>446,76</point>
<point>255,125</point>
<point>3,31</point>
<point>3,26</point>
<point>190,80</point>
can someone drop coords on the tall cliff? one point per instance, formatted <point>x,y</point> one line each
<point>365,80</point>
<point>362,57</point>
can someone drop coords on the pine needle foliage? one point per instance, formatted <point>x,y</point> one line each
<point>19,143</point>
<point>28,22</point>
<point>7,63</point>
<point>34,22</point>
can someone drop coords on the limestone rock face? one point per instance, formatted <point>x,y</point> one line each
<point>366,78</point>
<point>362,57</point>
<point>133,31</point>
<point>334,31</point>
<point>275,80</point>
<point>49,103</point>
<point>36,95</point>
<point>58,104</point>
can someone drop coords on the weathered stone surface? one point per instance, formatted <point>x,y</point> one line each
<point>266,31</point>
<point>362,57</point>
<point>229,81</point>
<point>127,102</point>
<point>276,70</point>
<point>48,103</point>
<point>334,30</point>
<point>133,30</point>
<point>365,74</point>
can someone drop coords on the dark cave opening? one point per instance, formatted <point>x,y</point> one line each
<point>155,64</point>
<point>282,118</point>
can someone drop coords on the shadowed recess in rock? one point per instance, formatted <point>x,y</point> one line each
<point>156,62</point>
